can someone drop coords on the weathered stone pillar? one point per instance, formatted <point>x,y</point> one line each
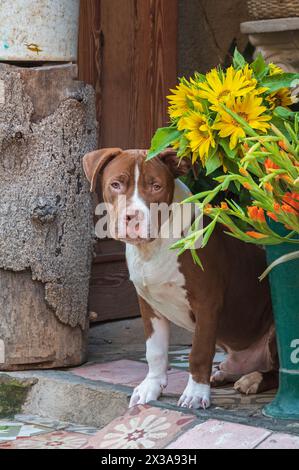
<point>47,124</point>
<point>277,40</point>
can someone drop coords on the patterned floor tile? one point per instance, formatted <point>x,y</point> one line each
<point>280,441</point>
<point>215,434</point>
<point>142,427</point>
<point>53,440</point>
<point>116,372</point>
<point>10,431</point>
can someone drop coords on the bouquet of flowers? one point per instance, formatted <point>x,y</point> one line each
<point>237,124</point>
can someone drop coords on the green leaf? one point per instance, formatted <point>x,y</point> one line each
<point>284,113</point>
<point>238,186</point>
<point>275,82</point>
<point>162,139</point>
<point>184,142</point>
<point>209,230</point>
<point>231,166</point>
<point>279,123</point>
<point>199,77</point>
<point>196,258</point>
<point>230,153</point>
<point>213,162</point>
<point>238,60</point>
<point>259,66</point>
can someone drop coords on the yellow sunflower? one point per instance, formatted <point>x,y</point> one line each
<point>274,69</point>
<point>179,101</point>
<point>220,87</point>
<point>280,97</point>
<point>199,134</point>
<point>250,109</point>
<point>248,75</point>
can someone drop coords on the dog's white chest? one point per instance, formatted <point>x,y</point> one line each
<point>159,281</point>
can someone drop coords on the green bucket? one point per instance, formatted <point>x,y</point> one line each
<point>284,282</point>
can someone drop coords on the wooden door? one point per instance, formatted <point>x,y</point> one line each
<point>128,52</point>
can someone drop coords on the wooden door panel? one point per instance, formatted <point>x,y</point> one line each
<point>128,52</point>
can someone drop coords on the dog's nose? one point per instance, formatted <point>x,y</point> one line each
<point>130,217</point>
<point>134,215</point>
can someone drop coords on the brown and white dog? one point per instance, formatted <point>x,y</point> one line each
<point>225,304</point>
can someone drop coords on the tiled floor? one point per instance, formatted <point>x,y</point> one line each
<point>151,427</point>
<point>132,372</point>
<point>144,427</point>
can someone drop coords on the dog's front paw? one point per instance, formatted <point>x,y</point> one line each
<point>149,390</point>
<point>196,395</point>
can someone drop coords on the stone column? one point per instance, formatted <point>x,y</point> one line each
<point>47,124</point>
<point>277,40</point>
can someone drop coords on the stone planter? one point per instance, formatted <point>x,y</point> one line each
<point>39,30</point>
<point>277,40</point>
<point>47,124</point>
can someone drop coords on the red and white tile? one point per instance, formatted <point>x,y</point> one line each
<point>142,427</point>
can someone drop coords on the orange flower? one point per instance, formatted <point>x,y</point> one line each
<point>286,178</point>
<point>288,209</point>
<point>282,144</point>
<point>256,235</point>
<point>224,206</point>
<point>243,171</point>
<point>268,187</point>
<point>247,186</point>
<point>246,146</point>
<point>208,208</point>
<point>272,216</point>
<point>276,207</point>
<point>270,165</point>
<point>256,214</point>
<point>292,199</point>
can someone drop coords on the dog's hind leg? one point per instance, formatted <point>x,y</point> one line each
<point>260,356</point>
<point>257,382</point>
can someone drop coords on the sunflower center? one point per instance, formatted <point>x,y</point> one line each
<point>243,115</point>
<point>223,94</point>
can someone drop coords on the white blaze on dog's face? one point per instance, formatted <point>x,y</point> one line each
<point>131,185</point>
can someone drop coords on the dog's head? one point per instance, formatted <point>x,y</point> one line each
<point>130,184</point>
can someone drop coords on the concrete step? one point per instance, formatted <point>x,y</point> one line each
<point>62,396</point>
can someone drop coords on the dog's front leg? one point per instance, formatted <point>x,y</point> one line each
<point>157,342</point>
<point>197,393</point>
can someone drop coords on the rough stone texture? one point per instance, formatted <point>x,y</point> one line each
<point>270,26</point>
<point>277,40</point>
<point>281,48</point>
<point>47,124</point>
<point>208,30</point>
<point>64,397</point>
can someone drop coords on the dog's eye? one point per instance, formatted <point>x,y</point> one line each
<point>156,187</point>
<point>115,185</point>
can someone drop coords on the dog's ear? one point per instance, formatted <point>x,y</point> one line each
<point>94,163</point>
<point>178,166</point>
